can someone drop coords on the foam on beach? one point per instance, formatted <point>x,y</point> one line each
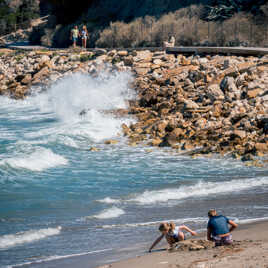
<point>54,258</point>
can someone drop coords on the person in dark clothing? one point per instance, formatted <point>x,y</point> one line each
<point>219,229</point>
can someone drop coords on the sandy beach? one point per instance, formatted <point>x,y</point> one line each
<point>250,250</point>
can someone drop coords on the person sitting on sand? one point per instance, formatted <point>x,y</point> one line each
<point>172,233</point>
<point>171,42</point>
<point>218,229</point>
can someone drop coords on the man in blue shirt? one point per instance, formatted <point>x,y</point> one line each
<point>218,229</point>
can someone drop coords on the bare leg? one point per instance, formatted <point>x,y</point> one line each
<point>188,230</point>
<point>85,43</point>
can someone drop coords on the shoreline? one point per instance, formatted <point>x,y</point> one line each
<point>245,238</point>
<point>250,248</point>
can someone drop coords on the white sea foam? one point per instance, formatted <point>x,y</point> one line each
<point>152,223</point>
<point>109,200</point>
<point>248,221</point>
<point>109,213</point>
<point>199,190</point>
<point>39,160</point>
<point>78,92</point>
<point>12,240</point>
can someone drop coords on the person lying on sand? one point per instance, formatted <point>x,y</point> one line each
<point>218,229</point>
<point>172,233</point>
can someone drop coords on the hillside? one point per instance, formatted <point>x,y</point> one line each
<point>142,22</point>
<point>105,11</point>
<point>124,23</point>
<point>15,14</point>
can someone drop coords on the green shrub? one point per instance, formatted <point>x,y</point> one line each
<point>188,29</point>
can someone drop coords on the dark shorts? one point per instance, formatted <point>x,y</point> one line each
<point>223,241</point>
<point>75,39</point>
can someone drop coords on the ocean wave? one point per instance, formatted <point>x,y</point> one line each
<point>12,240</point>
<point>253,220</point>
<point>152,223</point>
<point>109,200</point>
<point>94,96</point>
<point>201,189</point>
<point>109,213</point>
<point>41,159</point>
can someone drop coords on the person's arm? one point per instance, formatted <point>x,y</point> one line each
<point>209,234</point>
<point>233,225</point>
<point>156,242</point>
<point>183,227</point>
<point>71,35</point>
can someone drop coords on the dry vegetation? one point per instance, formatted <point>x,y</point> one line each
<point>187,27</point>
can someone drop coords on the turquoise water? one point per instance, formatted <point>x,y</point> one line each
<point>60,202</point>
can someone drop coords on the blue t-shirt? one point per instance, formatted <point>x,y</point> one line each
<point>218,225</point>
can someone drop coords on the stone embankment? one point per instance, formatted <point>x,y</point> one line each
<point>195,105</point>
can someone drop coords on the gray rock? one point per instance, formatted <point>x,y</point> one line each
<point>228,84</point>
<point>214,92</point>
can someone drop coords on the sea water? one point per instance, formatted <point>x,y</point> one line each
<point>63,205</point>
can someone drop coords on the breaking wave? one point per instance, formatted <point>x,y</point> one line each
<point>109,213</point>
<point>201,189</point>
<point>152,223</point>
<point>39,160</point>
<point>13,240</point>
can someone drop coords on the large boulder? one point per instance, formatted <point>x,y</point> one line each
<point>214,92</point>
<point>173,137</point>
<point>261,147</point>
<point>189,104</point>
<point>262,123</point>
<point>241,134</point>
<point>228,84</point>
<point>253,93</point>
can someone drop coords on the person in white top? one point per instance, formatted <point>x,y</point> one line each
<point>84,34</point>
<point>172,233</point>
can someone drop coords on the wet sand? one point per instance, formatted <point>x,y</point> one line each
<point>250,250</point>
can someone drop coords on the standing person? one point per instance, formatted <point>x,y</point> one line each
<point>74,35</point>
<point>172,233</point>
<point>84,35</point>
<point>218,229</point>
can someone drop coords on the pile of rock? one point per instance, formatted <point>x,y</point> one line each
<point>22,73</point>
<point>196,105</point>
<point>201,105</point>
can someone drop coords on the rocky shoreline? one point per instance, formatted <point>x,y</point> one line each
<point>195,105</point>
